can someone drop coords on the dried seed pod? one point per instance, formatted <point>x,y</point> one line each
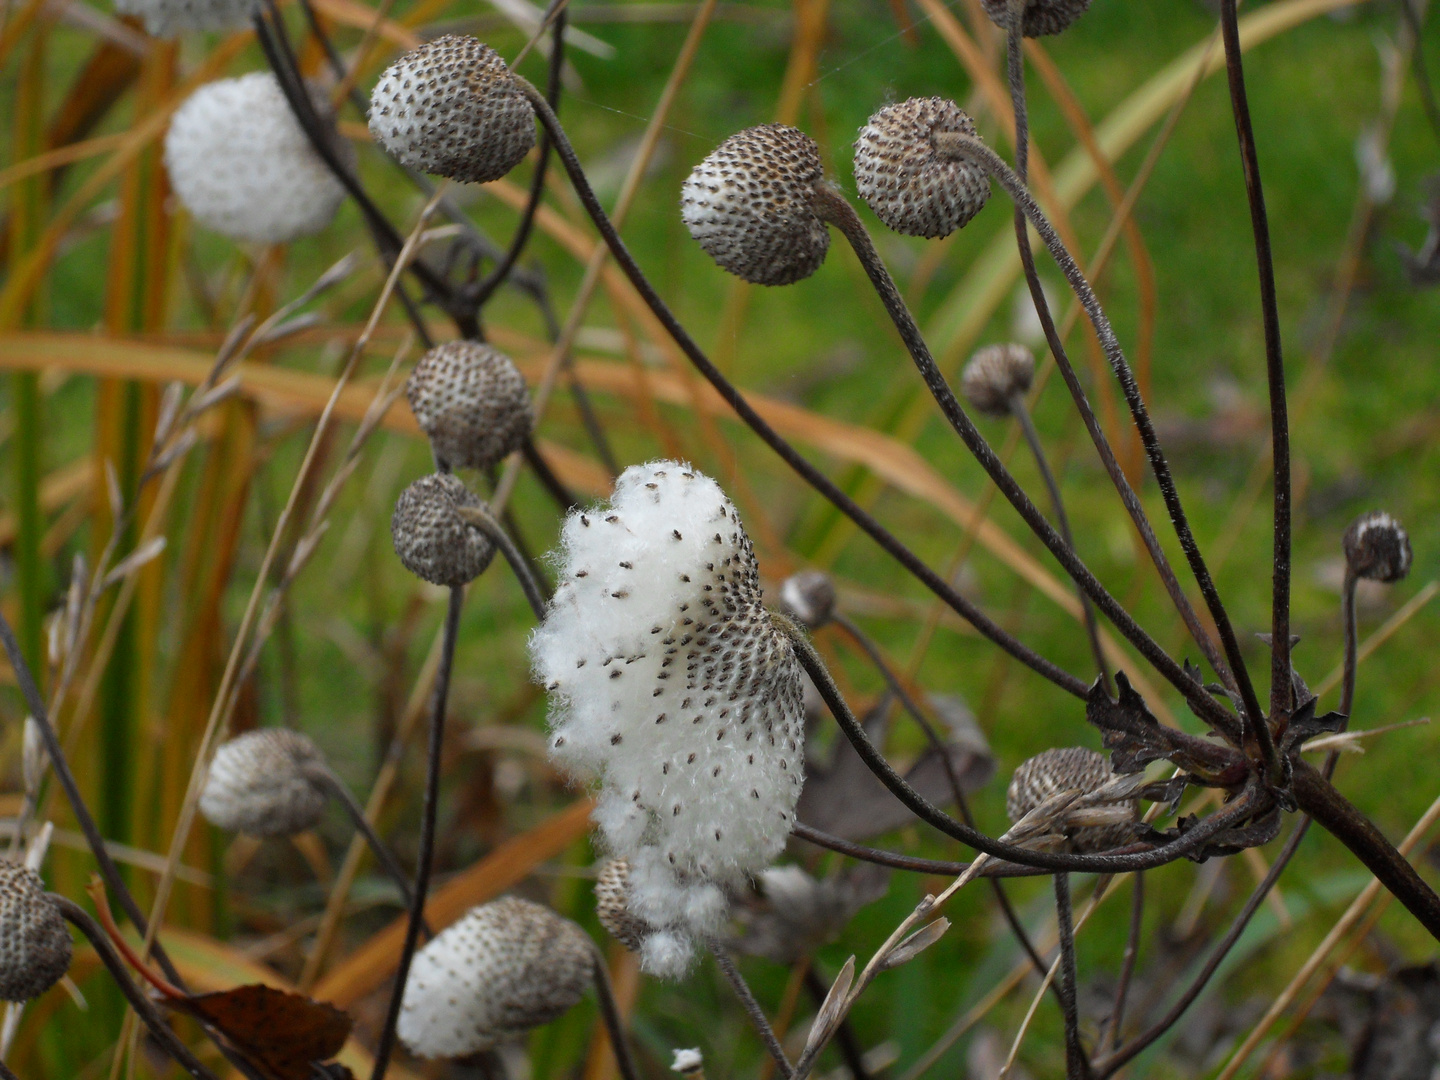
<point>504,968</point>
<point>1041,17</point>
<point>266,783</point>
<point>750,205</point>
<point>472,401</point>
<point>242,165</point>
<point>994,375</point>
<point>451,107</point>
<point>612,905</point>
<point>171,18</point>
<point>35,946</point>
<point>1073,768</point>
<point>432,539</point>
<point>914,187</point>
<point>809,598</point>
<point>1377,547</point>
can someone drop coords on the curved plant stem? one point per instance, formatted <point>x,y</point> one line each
<point>383,855</point>
<point>424,862</point>
<point>1127,963</point>
<point>1352,648</point>
<point>614,1022</point>
<point>752,1007</point>
<point>481,518</point>
<point>1422,74</point>
<point>1077,1065</point>
<point>563,496</point>
<point>992,868</point>
<point>5,1073</point>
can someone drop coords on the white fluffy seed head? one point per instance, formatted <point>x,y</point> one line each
<point>266,783</point>
<point>35,946</point>
<point>750,205</point>
<point>995,374</point>
<point>472,401</point>
<point>1041,17</point>
<point>670,683</point>
<point>1377,547</point>
<point>1072,768</point>
<point>912,186</point>
<point>504,968</point>
<point>241,164</point>
<point>451,107</point>
<point>433,541</point>
<point>171,18</point>
<point>809,598</point>
<point>612,905</point>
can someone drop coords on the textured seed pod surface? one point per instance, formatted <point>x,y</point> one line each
<point>35,945</point>
<point>612,905</point>
<point>432,539</point>
<point>451,107</point>
<point>1377,547</point>
<point>171,18</point>
<point>265,783</point>
<point>671,684</point>
<point>504,968</point>
<point>809,598</point>
<point>749,205</point>
<point>241,164</point>
<point>472,401</point>
<point>994,375</point>
<point>1041,17</point>
<point>912,187</point>
<point>1071,768</point>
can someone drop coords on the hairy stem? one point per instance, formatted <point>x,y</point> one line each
<point>482,519</point>
<point>1077,1064</point>
<point>383,855</point>
<point>752,1007</point>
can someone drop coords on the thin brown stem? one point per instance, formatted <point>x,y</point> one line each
<point>1077,1064</point>
<point>383,855</point>
<point>610,1015</point>
<point>1127,963</point>
<point>482,519</point>
<point>752,1007</point>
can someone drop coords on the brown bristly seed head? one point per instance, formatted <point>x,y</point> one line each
<point>612,905</point>
<point>809,598</point>
<point>266,783</point>
<point>473,403</point>
<point>451,107</point>
<point>1041,17</point>
<point>1377,547</point>
<point>750,205</point>
<point>433,541</point>
<point>914,188</point>
<point>995,374</point>
<point>1070,768</point>
<point>35,946</point>
<point>504,968</point>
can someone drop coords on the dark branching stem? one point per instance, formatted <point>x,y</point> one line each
<point>5,1073</point>
<point>998,868</point>
<point>383,855</point>
<point>1280,682</point>
<point>987,627</point>
<point>563,496</point>
<point>1352,649</point>
<point>425,859</point>
<point>1127,963</point>
<point>752,1007</point>
<point>139,1001</point>
<point>1077,1064</point>
<point>610,1015</point>
<point>1422,73</point>
<point>481,518</point>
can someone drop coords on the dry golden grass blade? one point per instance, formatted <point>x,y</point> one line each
<point>361,17</point>
<point>62,486</point>
<point>65,155</point>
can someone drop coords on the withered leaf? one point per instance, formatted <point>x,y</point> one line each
<point>1127,728</point>
<point>284,1034</point>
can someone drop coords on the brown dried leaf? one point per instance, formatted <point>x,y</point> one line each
<point>285,1034</point>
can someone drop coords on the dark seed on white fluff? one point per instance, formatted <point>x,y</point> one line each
<point>265,783</point>
<point>472,401</point>
<point>612,905</point>
<point>432,539</point>
<point>995,374</point>
<point>451,107</point>
<point>914,188</point>
<point>749,205</point>
<point>504,968</point>
<point>1377,547</point>
<point>1072,768</point>
<point>809,598</point>
<point>35,945</point>
<point>1041,16</point>
<point>171,18</point>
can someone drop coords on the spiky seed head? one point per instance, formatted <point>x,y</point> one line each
<point>472,401</point>
<point>809,598</point>
<point>995,374</point>
<point>507,966</point>
<point>672,685</point>
<point>266,783</point>
<point>451,107</point>
<point>750,205</point>
<point>612,905</point>
<point>1377,547</point>
<point>1072,768</point>
<point>242,165</point>
<point>171,18</point>
<point>1041,17</point>
<point>433,541</point>
<point>35,946</point>
<point>912,186</point>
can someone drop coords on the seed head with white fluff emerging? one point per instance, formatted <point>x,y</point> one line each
<point>671,684</point>
<point>266,783</point>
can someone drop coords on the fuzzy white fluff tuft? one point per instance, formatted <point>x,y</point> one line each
<point>670,683</point>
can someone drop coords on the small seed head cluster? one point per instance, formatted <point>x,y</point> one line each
<point>1041,17</point>
<point>612,905</point>
<point>171,18</point>
<point>472,401</point>
<point>35,946</point>
<point>809,598</point>
<point>1072,768</point>
<point>507,966</point>
<point>242,165</point>
<point>995,374</point>
<point>670,682</point>
<point>750,205</point>
<point>266,783</point>
<point>1377,547</point>
<point>433,541</point>
<point>451,107</point>
<point>913,186</point>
